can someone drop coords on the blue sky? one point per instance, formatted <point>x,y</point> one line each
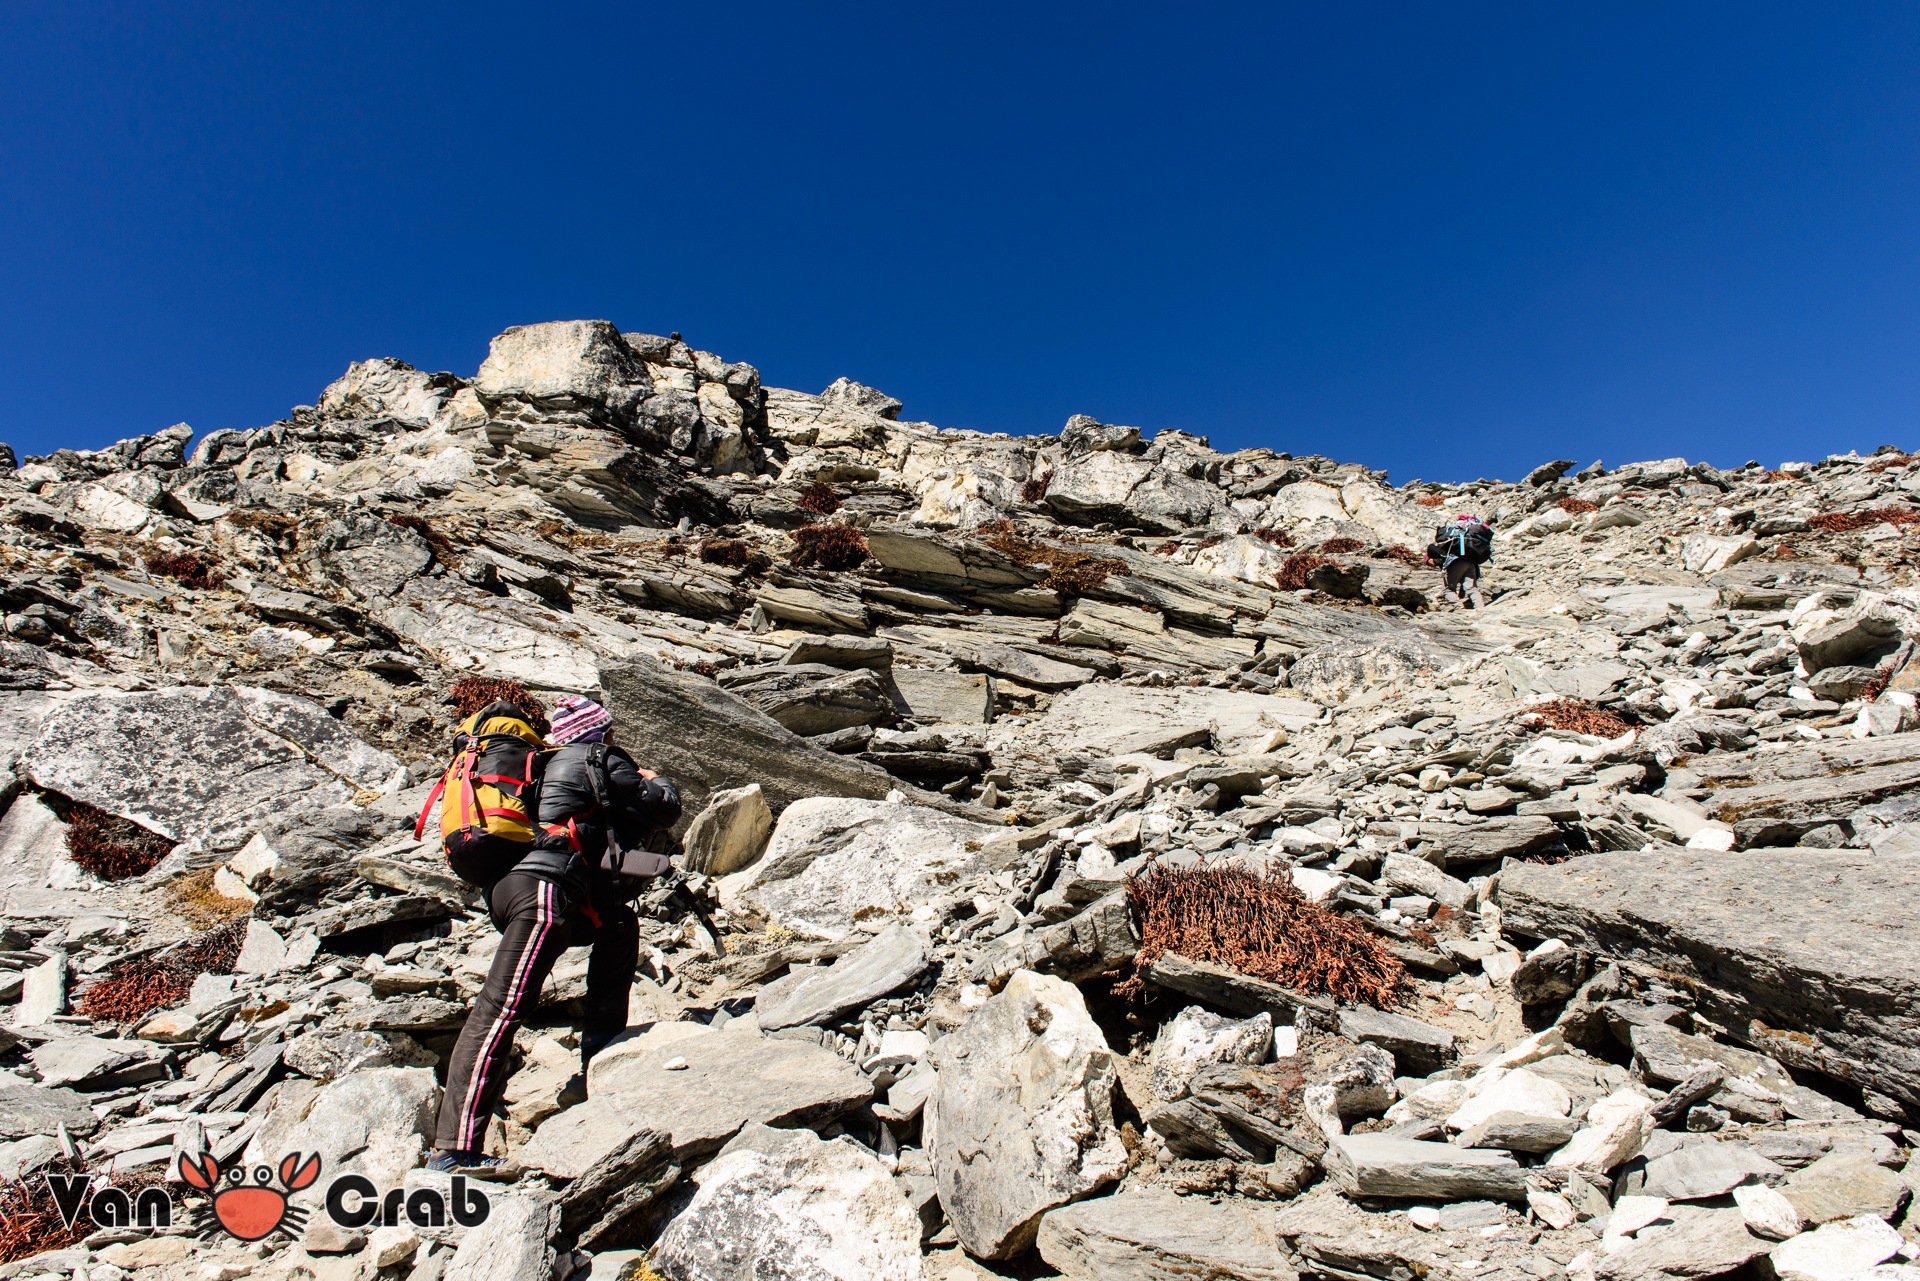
<point>1448,240</point>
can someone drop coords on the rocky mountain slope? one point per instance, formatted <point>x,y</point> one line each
<point>1125,865</point>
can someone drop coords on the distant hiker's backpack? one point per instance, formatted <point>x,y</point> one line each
<point>491,794</point>
<point>1472,542</point>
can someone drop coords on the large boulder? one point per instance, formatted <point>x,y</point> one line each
<point>388,388</point>
<point>834,862</point>
<point>201,762</point>
<point>375,1122</point>
<point>1807,940</point>
<point>1331,674</point>
<point>1021,1118</point>
<point>710,740</point>
<point>800,1206</point>
<point>730,1080</point>
<point>1113,720</point>
<point>730,833</point>
<point>578,371</point>
<point>1108,485</point>
<point>1156,1236</point>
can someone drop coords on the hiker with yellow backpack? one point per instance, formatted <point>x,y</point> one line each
<point>555,840</point>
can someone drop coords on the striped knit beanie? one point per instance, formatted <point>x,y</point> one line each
<point>578,720</point>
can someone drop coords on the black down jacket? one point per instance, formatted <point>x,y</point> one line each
<point>639,806</point>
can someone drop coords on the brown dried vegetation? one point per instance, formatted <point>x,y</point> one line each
<point>1580,716</point>
<point>1341,546</point>
<point>110,847</point>
<point>136,988</point>
<point>1293,574</point>
<point>471,693</point>
<point>734,553</point>
<point>1847,522</point>
<point>819,499</point>
<point>1430,500</point>
<point>830,547</point>
<point>1261,926</point>
<point>186,569</point>
<point>1576,506</point>
<point>442,545</point>
<point>1036,489</point>
<point>1069,569</point>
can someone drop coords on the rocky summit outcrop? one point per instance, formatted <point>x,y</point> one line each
<point>1001,757</point>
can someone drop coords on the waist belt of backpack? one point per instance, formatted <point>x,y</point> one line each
<point>572,830</point>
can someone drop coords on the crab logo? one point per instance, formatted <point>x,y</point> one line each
<point>247,1205</point>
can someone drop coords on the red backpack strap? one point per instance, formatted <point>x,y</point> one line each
<point>420,826</point>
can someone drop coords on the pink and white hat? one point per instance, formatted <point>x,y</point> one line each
<point>578,720</point>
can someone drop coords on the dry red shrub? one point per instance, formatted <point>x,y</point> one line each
<point>110,847</point>
<point>186,569</point>
<point>1293,574</point>
<point>30,1220</point>
<point>1889,462</point>
<point>735,553</point>
<point>1036,489</point>
<point>1847,522</point>
<point>442,545</point>
<point>819,499</point>
<point>1400,552</point>
<point>1579,716</point>
<point>1276,537</point>
<point>1576,506</point>
<point>1430,500</point>
<point>134,989</point>
<point>471,693</point>
<point>1261,926</point>
<point>831,547</point>
<point>1341,546</point>
<point>1069,569</point>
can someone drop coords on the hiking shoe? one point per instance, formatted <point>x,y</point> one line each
<point>574,1092</point>
<point>475,1165</point>
<point>591,1043</point>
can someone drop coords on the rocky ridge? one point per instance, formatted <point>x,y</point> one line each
<point>1640,833</point>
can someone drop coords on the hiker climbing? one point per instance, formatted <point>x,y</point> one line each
<point>1460,549</point>
<point>558,877</point>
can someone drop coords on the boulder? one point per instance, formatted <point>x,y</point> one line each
<point>1701,1243</point>
<point>377,1122</point>
<point>1196,1038</point>
<point>1845,1185</point>
<point>731,1079</point>
<point>814,699</point>
<point>799,1207</point>
<point>1367,1165</point>
<point>573,371</point>
<point>722,742</point>
<point>942,698</point>
<point>841,651</point>
<point>834,862</point>
<point>730,833</point>
<point>1517,1090</point>
<point>201,762</point>
<point>894,958</point>
<point>514,1243</point>
<point>1021,1118</point>
<point>1808,940</point>
<point>28,1110</point>
<point>1244,558</point>
<point>1705,1170</point>
<point>1155,1236</point>
<point>1836,1252</point>
<point>1114,720</point>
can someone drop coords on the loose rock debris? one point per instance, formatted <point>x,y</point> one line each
<point>1569,937</point>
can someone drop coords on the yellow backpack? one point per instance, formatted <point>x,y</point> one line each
<point>492,791</point>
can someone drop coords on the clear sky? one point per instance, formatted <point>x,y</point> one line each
<point>1452,240</point>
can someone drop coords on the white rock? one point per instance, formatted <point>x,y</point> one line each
<point>1617,1128</point>
<point>1768,1213</point>
<point>1837,1251</point>
<point>1196,1038</point>
<point>731,833</point>
<point>1516,1091</point>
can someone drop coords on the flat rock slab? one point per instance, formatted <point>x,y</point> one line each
<point>1144,1236</point>
<point>1808,941</point>
<point>1520,1132</point>
<point>1707,1170</point>
<point>720,741</point>
<point>817,994</point>
<point>951,698</point>
<point>1375,1165</point>
<point>731,1079</point>
<point>1773,798</point>
<point>1113,720</point>
<point>834,862</point>
<point>1701,1243</point>
<point>201,762</point>
<point>27,1110</point>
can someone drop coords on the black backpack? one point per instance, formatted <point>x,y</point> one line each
<point>1472,542</point>
<point>636,852</point>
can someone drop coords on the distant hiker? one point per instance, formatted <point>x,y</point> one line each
<point>1460,549</point>
<point>564,886</point>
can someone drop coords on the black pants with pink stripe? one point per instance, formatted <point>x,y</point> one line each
<point>536,923</point>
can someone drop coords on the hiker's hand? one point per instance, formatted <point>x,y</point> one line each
<point>645,773</point>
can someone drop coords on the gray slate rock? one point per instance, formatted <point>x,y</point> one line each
<point>1021,1118</point>
<point>1520,1132</point>
<point>1701,1243</point>
<point>1151,1236</point>
<point>820,994</point>
<point>1707,1170</point>
<point>1375,1165</point>
<point>731,1079</point>
<point>27,1110</point>
<point>1802,939</point>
